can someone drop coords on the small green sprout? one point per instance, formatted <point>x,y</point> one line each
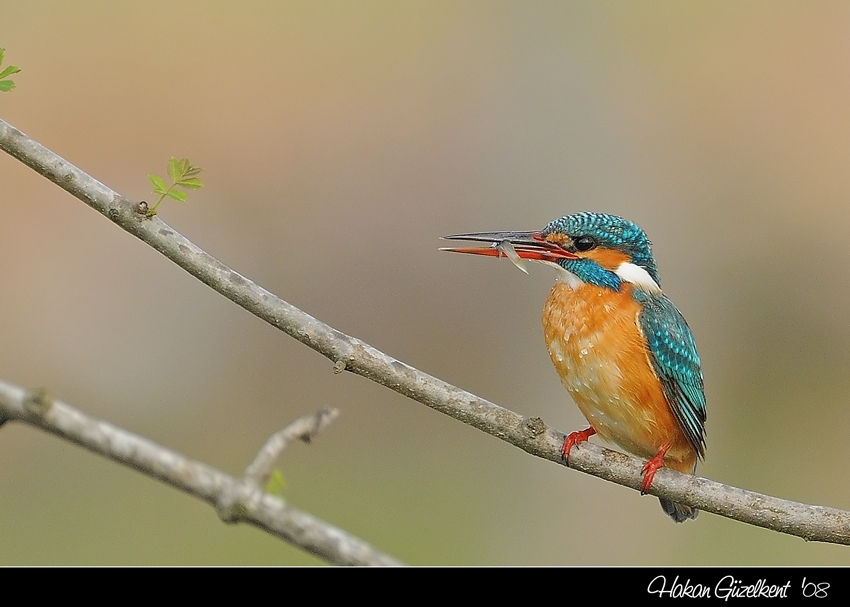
<point>182,174</point>
<point>276,483</point>
<point>5,84</point>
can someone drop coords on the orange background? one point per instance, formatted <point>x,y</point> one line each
<point>339,140</point>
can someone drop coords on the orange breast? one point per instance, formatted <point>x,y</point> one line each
<point>596,345</point>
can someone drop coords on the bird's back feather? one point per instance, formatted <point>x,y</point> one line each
<point>674,359</point>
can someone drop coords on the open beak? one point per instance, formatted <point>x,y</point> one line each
<point>525,245</point>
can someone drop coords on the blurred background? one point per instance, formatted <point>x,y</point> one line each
<point>339,140</point>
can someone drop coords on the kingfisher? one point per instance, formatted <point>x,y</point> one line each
<point>623,351</point>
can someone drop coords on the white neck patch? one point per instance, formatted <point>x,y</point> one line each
<point>565,276</point>
<point>637,276</point>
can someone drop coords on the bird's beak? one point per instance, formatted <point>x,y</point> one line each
<point>526,245</point>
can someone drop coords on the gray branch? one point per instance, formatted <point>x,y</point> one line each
<point>306,428</point>
<point>235,500</point>
<point>348,353</point>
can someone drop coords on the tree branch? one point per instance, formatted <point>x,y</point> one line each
<point>235,500</point>
<point>348,353</point>
<point>306,428</point>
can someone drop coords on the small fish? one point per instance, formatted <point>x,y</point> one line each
<point>507,249</point>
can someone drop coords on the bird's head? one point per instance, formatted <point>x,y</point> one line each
<point>595,248</point>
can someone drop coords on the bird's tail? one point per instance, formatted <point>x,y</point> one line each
<point>678,512</point>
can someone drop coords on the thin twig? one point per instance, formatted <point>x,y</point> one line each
<point>810,522</point>
<point>305,428</point>
<point>235,500</point>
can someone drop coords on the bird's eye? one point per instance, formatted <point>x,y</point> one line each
<point>584,243</point>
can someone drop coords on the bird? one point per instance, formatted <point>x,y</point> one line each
<point>622,350</point>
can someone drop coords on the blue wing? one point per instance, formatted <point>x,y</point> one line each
<point>674,358</point>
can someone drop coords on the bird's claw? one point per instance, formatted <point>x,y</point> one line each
<point>651,467</point>
<point>574,438</point>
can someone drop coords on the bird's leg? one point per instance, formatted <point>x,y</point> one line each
<point>651,467</point>
<point>574,438</point>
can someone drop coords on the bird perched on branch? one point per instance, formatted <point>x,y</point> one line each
<point>622,349</point>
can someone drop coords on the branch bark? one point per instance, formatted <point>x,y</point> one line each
<point>306,428</point>
<point>810,522</point>
<point>235,500</point>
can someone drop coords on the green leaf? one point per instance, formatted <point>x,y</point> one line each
<point>174,169</point>
<point>158,182</point>
<point>276,483</point>
<point>6,85</point>
<point>9,71</point>
<point>182,174</point>
<point>2,52</point>
<point>191,182</point>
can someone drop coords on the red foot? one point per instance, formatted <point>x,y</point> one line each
<point>651,467</point>
<point>574,438</point>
